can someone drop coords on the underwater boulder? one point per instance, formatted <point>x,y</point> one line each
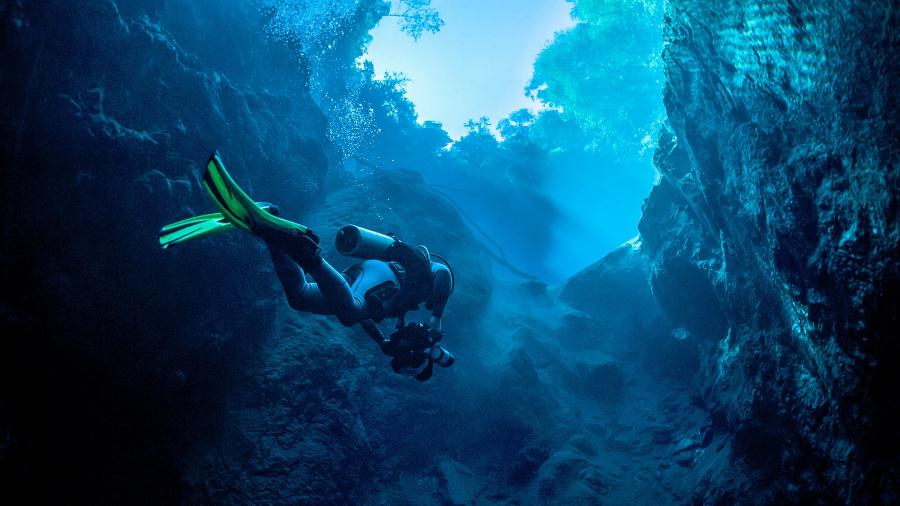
<point>613,290</point>
<point>616,311</point>
<point>526,463</point>
<point>569,477</point>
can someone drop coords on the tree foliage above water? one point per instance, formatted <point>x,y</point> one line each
<point>417,17</point>
<point>605,72</point>
<point>601,81</point>
<point>329,36</point>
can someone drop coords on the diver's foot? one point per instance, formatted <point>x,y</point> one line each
<point>301,248</point>
<point>270,208</point>
<point>272,236</point>
<point>267,234</point>
<point>304,250</point>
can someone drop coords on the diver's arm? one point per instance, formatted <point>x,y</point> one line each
<point>373,331</point>
<point>440,296</point>
<point>402,253</point>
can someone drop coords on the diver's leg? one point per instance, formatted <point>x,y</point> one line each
<point>337,293</point>
<point>330,294</point>
<point>301,294</point>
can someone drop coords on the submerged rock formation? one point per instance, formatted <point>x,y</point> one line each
<point>773,238</point>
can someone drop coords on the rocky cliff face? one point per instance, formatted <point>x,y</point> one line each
<point>773,238</point>
<point>105,123</point>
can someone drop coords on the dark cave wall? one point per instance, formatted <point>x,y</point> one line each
<point>773,237</point>
<point>116,354</point>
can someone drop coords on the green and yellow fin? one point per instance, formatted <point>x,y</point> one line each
<point>193,228</point>
<point>237,206</point>
<point>196,227</point>
<point>172,227</point>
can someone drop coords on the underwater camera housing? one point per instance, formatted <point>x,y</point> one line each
<point>413,338</point>
<point>362,243</point>
<point>408,347</point>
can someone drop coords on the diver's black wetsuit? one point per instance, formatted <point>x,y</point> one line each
<point>368,292</point>
<point>349,295</point>
<point>332,294</point>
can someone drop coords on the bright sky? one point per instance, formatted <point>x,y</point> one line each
<point>478,64</point>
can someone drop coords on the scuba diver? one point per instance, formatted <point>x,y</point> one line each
<point>392,279</point>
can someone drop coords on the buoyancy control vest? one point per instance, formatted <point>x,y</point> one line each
<point>411,267</point>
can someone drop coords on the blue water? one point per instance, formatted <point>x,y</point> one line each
<point>133,374</point>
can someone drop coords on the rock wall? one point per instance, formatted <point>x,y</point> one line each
<point>119,354</point>
<point>773,238</point>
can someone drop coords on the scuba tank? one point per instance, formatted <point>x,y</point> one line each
<point>411,266</point>
<point>362,243</point>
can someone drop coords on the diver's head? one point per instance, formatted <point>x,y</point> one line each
<point>423,250</point>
